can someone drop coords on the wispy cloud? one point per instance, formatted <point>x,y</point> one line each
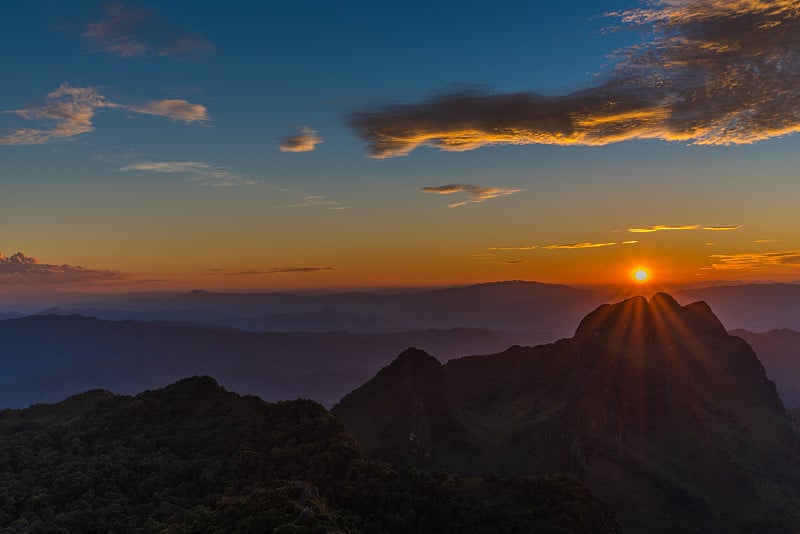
<point>173,108</point>
<point>524,247</point>
<point>569,246</point>
<point>68,111</point>
<point>756,261</point>
<point>130,32</point>
<point>26,270</point>
<point>710,72</point>
<point>306,141</point>
<point>477,194</point>
<point>200,172</point>
<point>573,246</point>
<point>318,201</point>
<point>662,228</point>
<point>278,270</point>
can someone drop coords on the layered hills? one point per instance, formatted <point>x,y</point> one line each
<point>667,417</point>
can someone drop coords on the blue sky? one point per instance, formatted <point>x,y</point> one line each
<point>168,195</point>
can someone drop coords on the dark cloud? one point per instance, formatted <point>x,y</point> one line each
<point>711,72</point>
<point>278,270</point>
<point>477,194</point>
<point>129,32</point>
<point>25,270</point>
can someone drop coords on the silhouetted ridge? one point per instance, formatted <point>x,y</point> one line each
<point>195,386</point>
<point>700,315</point>
<point>653,403</point>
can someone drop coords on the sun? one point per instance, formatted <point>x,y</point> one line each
<point>641,275</point>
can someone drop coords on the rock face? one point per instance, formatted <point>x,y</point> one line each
<point>668,418</point>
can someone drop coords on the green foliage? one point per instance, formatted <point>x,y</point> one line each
<point>195,458</point>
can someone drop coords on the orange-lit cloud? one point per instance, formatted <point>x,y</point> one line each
<point>661,228</point>
<point>573,246</point>
<point>569,246</point>
<point>477,194</point>
<point>756,261</point>
<point>306,141</point>
<point>712,72</point>
<point>68,111</point>
<point>128,32</point>
<point>20,269</point>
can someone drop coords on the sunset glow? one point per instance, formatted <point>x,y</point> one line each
<point>159,176</point>
<point>641,275</point>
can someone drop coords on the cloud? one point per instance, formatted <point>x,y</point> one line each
<point>26,270</point>
<point>201,173</point>
<point>318,201</point>
<point>756,261</point>
<point>68,112</point>
<point>662,228</point>
<point>709,72</point>
<point>527,247</point>
<point>569,246</point>
<point>129,32</point>
<point>573,246</point>
<point>476,193</point>
<point>173,108</point>
<point>279,270</point>
<point>306,141</point>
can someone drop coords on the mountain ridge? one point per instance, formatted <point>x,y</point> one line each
<point>652,403</point>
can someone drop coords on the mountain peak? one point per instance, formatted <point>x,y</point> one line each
<point>662,315</point>
<point>415,357</point>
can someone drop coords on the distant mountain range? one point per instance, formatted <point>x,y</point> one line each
<point>668,418</point>
<point>47,358</point>
<point>756,307</point>
<point>779,351</point>
<point>532,311</point>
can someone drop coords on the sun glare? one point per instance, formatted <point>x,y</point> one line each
<point>641,275</point>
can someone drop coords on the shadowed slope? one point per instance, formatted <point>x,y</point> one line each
<point>668,417</point>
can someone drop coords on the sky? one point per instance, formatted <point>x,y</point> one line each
<point>289,146</point>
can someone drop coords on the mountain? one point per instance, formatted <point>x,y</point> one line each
<point>669,419</point>
<point>534,312</point>
<point>193,457</point>
<point>779,351</point>
<point>47,358</point>
<point>755,307</point>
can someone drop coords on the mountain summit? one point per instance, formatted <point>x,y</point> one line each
<point>669,419</point>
